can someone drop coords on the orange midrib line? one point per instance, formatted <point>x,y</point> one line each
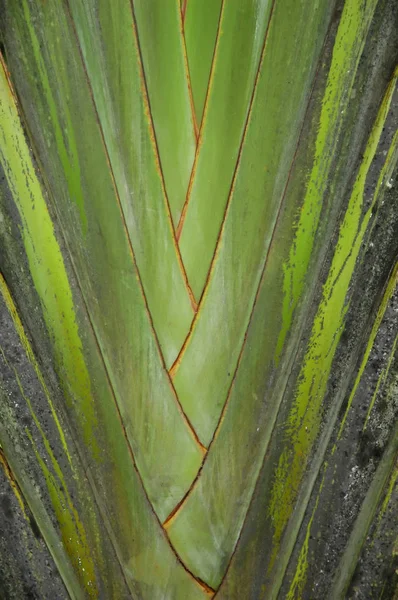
<point>184,416</point>
<point>148,111</point>
<point>13,482</point>
<point>200,134</point>
<point>188,78</point>
<point>8,77</point>
<point>177,362</point>
<point>209,590</point>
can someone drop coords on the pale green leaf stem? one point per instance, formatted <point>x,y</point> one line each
<point>162,45</point>
<point>211,499</point>
<point>284,490</point>
<point>211,503</point>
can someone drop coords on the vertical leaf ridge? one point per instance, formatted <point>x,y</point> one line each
<point>299,578</point>
<point>183,9</point>
<point>13,482</point>
<point>71,528</point>
<point>302,424</point>
<point>174,368</point>
<point>199,140</point>
<point>188,78</point>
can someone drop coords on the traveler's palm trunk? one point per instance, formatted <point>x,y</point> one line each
<point>198,299</point>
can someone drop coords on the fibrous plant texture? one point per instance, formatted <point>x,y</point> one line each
<point>198,299</point>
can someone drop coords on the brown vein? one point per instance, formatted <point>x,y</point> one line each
<point>198,581</point>
<point>177,362</point>
<point>129,447</point>
<point>183,9</point>
<point>188,78</point>
<point>200,135</point>
<point>131,250</point>
<point>152,133</point>
<point>201,583</point>
<point>8,77</point>
<point>177,508</point>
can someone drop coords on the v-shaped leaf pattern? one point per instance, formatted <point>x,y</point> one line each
<point>149,127</point>
<point>88,397</point>
<point>108,272</point>
<point>241,34</point>
<point>105,35</point>
<point>162,47</point>
<point>210,502</point>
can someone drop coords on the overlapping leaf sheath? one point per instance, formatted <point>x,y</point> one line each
<point>65,340</point>
<point>247,229</point>
<point>311,412</point>
<point>210,501</point>
<point>242,34</point>
<point>198,246</point>
<point>100,249</point>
